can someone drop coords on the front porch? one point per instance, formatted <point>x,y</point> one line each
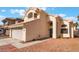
<point>57,30</point>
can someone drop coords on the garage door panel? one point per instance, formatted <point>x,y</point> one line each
<point>17,34</point>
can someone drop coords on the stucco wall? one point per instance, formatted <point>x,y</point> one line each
<point>7,32</point>
<point>36,30</point>
<point>56,26</point>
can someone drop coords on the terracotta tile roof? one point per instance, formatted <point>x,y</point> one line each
<point>9,19</point>
<point>13,19</point>
<point>68,20</point>
<point>20,24</point>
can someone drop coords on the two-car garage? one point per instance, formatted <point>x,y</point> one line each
<point>16,33</point>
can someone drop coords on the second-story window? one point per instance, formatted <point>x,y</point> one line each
<point>35,15</point>
<point>30,15</point>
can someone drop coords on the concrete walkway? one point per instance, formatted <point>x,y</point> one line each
<point>18,43</point>
<point>5,41</point>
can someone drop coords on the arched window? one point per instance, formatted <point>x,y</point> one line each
<point>35,15</point>
<point>30,15</point>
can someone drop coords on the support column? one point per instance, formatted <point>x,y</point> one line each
<point>54,34</point>
<point>72,32</point>
<point>10,33</point>
<point>24,34</point>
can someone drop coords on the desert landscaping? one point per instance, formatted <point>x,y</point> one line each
<point>48,45</point>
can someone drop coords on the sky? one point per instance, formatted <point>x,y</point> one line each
<point>17,12</point>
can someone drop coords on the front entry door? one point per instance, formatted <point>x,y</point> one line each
<point>50,32</point>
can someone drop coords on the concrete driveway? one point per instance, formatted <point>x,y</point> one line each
<point>47,45</point>
<point>17,43</point>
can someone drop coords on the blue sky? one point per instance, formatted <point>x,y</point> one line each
<point>15,12</point>
<point>65,12</point>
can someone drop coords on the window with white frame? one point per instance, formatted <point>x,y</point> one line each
<point>64,31</point>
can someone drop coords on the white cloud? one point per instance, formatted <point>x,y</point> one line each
<point>72,18</point>
<point>20,12</point>
<point>3,10</point>
<point>1,18</point>
<point>43,8</point>
<point>62,15</point>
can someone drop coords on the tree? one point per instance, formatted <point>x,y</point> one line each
<point>78,21</point>
<point>4,21</point>
<point>76,24</point>
<point>78,18</point>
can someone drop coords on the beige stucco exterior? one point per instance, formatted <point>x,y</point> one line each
<point>68,27</point>
<point>56,25</point>
<point>37,27</point>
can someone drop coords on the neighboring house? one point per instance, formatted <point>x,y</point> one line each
<point>8,22</point>
<point>38,24</point>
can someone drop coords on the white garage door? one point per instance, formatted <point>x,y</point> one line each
<point>17,34</point>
